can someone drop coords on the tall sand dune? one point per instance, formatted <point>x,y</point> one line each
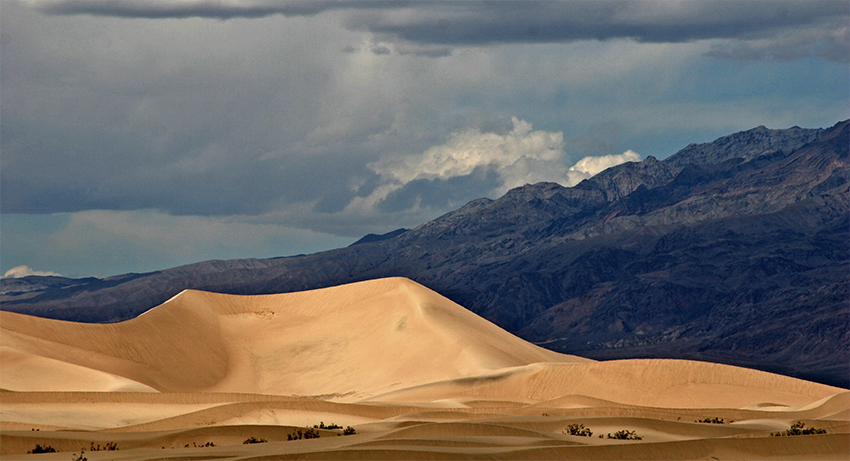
<point>350,342</point>
<point>419,376</point>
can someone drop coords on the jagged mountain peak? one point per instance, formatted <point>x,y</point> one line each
<point>370,238</point>
<point>540,190</point>
<point>745,145</point>
<point>621,180</point>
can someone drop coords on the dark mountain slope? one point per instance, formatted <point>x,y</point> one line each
<point>744,145</point>
<point>370,238</point>
<point>734,251</point>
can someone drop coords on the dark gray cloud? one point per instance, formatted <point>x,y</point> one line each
<point>161,117</point>
<point>482,23</point>
<point>524,22</point>
<point>425,51</point>
<point>439,193</point>
<point>791,47</point>
<point>111,175</point>
<point>380,49</point>
<point>213,9</point>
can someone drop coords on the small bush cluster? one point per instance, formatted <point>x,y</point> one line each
<point>312,433</point>
<point>299,434</point>
<point>208,444</point>
<point>625,435</point>
<point>110,446</point>
<point>253,439</point>
<point>579,430</point>
<point>714,420</point>
<point>799,428</point>
<point>39,449</point>
<point>321,425</point>
<point>75,457</point>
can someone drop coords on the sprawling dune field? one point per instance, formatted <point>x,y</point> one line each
<point>416,376</point>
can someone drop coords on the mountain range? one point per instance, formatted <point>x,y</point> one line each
<point>734,251</point>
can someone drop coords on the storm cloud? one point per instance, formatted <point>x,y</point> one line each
<point>485,23</point>
<point>213,9</point>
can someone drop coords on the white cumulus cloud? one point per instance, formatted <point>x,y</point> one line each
<point>519,156</point>
<point>24,271</point>
<point>590,166</point>
<point>469,164</point>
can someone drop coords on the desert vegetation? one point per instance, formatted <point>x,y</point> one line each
<point>799,428</point>
<point>39,449</point>
<point>299,434</point>
<point>110,446</point>
<point>625,435</point>
<point>321,425</point>
<point>253,439</point>
<point>579,430</point>
<point>195,445</point>
<point>313,433</point>
<point>714,420</point>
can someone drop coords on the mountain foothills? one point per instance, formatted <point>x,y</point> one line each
<point>734,251</point>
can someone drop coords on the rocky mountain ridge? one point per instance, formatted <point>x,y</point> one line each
<point>732,251</point>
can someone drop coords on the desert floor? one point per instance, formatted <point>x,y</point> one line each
<point>417,377</point>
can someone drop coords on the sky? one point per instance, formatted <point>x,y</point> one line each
<point>138,135</point>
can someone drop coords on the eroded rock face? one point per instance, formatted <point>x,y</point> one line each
<point>734,251</point>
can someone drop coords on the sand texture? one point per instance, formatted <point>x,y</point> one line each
<point>417,376</point>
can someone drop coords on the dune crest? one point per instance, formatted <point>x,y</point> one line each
<point>660,383</point>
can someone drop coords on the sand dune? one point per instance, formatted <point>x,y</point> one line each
<point>417,375</point>
<point>651,383</point>
<point>24,371</point>
<point>311,343</point>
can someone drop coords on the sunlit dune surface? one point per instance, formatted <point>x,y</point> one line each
<point>350,342</point>
<point>416,375</point>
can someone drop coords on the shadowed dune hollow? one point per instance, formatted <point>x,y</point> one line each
<point>416,375</point>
